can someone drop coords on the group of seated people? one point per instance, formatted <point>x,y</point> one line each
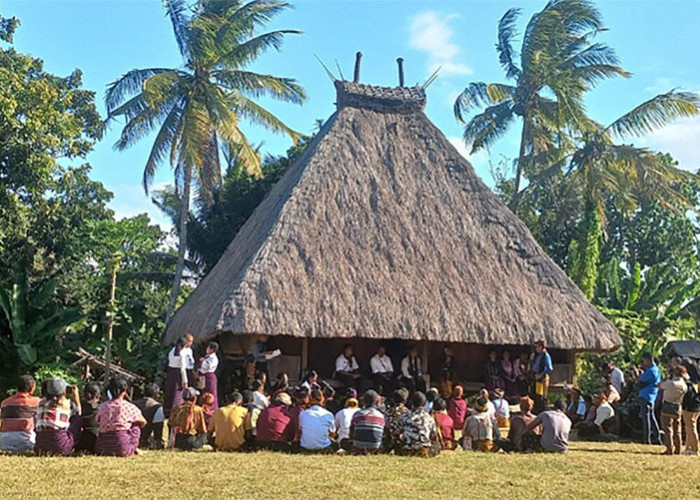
<point>60,423</point>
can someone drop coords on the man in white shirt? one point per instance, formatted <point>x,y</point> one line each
<point>412,371</point>
<point>382,371</point>
<point>316,424</point>
<point>347,371</point>
<point>343,419</point>
<point>616,377</point>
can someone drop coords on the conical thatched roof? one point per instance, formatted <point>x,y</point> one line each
<point>382,230</point>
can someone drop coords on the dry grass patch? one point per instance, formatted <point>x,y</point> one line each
<point>589,470</point>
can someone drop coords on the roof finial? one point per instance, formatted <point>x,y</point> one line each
<point>358,58</point>
<point>400,63</point>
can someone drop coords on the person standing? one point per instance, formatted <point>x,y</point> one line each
<point>493,376</point>
<point>207,369</point>
<point>617,378</point>
<point>176,378</point>
<point>510,373</point>
<point>412,371</point>
<point>58,419</point>
<point>649,381</point>
<point>17,417</point>
<point>524,375</point>
<point>691,412</point>
<point>449,372</point>
<point>542,368</point>
<point>382,371</point>
<point>674,389</point>
<point>258,357</point>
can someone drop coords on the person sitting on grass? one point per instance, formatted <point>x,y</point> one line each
<point>17,417</point>
<point>392,431</point>
<point>367,426</point>
<point>445,424</point>
<point>316,426</point>
<point>457,410</point>
<point>430,397</point>
<point>480,428</point>
<point>88,418</point>
<point>208,403</point>
<point>501,408</point>
<point>275,425</point>
<point>418,430</point>
<point>343,419</point>
<point>518,424</point>
<point>555,430</point>
<point>230,425</point>
<point>152,410</point>
<point>120,422</point>
<point>187,423</point>
<point>58,419</point>
<point>259,398</point>
<point>606,385</point>
<point>604,418</point>
<point>576,408</point>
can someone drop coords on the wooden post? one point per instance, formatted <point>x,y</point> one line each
<point>358,59</point>
<point>110,318</point>
<point>304,356</point>
<point>571,360</point>
<point>400,63</point>
<point>424,362</point>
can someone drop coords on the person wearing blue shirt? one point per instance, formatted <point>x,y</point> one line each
<point>316,424</point>
<point>649,381</point>
<point>541,369</point>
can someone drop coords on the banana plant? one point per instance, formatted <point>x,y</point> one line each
<point>30,322</point>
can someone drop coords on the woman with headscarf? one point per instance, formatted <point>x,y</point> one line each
<point>480,429</point>
<point>188,428</point>
<point>58,419</point>
<point>120,422</point>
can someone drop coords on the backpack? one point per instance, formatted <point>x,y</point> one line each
<point>691,399</point>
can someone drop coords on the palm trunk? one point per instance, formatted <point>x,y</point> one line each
<point>182,245</point>
<point>520,165</point>
<point>110,318</point>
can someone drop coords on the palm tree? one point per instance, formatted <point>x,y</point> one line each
<point>558,63</point>
<point>197,109</point>
<point>603,170</point>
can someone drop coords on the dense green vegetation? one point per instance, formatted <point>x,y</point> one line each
<point>618,218</point>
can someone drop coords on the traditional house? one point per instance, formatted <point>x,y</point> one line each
<point>382,231</point>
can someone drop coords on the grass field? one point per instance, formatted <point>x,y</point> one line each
<point>589,470</point>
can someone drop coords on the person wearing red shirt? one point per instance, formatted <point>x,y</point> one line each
<point>457,410</point>
<point>276,425</point>
<point>445,424</point>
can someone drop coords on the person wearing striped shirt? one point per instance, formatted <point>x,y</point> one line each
<point>367,426</point>
<point>17,417</point>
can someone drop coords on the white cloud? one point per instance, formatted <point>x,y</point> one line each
<point>680,139</point>
<point>430,32</point>
<point>130,200</point>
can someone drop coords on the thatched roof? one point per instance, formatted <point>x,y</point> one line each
<point>382,229</point>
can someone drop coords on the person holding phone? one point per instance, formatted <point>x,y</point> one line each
<point>58,419</point>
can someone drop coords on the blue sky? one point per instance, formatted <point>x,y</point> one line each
<point>656,40</point>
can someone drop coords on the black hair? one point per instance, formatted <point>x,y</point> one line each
<point>648,356</point>
<point>181,342</point>
<point>151,390</point>
<point>439,404</point>
<point>309,374</point>
<point>236,397</point>
<point>25,383</point>
<point>399,396</point>
<point>431,395</point>
<point>282,375</point>
<point>213,346</point>
<point>247,396</point>
<point>482,402</point>
<point>91,390</point>
<point>301,393</point>
<point>559,404</point>
<point>257,384</point>
<point>260,374</point>
<point>316,394</point>
<point>117,385</point>
<point>418,399</point>
<point>370,398</point>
